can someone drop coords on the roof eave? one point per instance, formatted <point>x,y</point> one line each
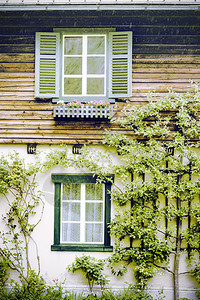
<point>98,7</point>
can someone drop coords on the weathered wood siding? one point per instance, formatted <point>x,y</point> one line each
<point>166,54</point>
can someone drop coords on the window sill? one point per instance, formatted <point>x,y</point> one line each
<point>87,248</point>
<point>85,111</point>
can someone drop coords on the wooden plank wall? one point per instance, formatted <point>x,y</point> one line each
<point>166,54</point>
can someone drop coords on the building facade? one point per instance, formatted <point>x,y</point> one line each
<point>58,52</point>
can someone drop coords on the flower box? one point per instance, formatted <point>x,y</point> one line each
<point>84,111</point>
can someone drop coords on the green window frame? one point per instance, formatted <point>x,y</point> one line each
<point>102,246</point>
<point>117,74</point>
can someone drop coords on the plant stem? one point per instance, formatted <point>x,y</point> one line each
<point>177,249</point>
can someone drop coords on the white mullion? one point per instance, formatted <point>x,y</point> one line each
<point>82,225</point>
<point>84,66</point>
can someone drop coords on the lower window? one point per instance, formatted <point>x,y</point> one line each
<point>81,213</point>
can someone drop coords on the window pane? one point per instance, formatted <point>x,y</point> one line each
<point>71,191</point>
<point>94,191</point>
<point>70,211</point>
<point>95,86</point>
<point>95,65</point>
<point>71,232</point>
<point>73,66</point>
<point>72,86</point>
<point>94,233</point>
<point>94,212</point>
<point>73,45</point>
<point>96,45</point>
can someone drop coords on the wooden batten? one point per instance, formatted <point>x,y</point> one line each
<point>166,55</point>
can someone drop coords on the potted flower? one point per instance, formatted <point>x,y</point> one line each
<point>100,103</point>
<point>76,109</point>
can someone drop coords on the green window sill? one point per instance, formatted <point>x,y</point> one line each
<point>88,248</point>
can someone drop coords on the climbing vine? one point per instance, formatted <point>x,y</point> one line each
<point>157,202</point>
<point>19,187</point>
<point>158,205</point>
<point>157,215</point>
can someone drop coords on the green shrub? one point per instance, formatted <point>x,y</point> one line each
<point>130,293</point>
<point>35,288</point>
<point>74,296</point>
<point>3,273</point>
<point>92,269</point>
<point>43,292</point>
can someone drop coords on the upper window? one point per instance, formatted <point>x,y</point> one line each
<point>82,213</point>
<point>83,64</point>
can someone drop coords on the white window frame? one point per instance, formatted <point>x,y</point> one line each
<point>84,32</point>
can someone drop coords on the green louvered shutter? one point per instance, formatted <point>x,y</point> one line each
<point>47,64</point>
<point>120,64</point>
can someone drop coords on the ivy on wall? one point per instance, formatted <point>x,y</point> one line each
<point>157,203</point>
<point>19,187</point>
<point>161,187</point>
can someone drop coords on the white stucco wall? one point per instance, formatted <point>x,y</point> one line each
<point>53,263</point>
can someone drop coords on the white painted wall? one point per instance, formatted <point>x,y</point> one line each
<point>54,263</point>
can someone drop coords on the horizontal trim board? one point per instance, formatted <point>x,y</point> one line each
<point>84,248</point>
<point>85,2</point>
<point>99,7</point>
<point>77,178</point>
